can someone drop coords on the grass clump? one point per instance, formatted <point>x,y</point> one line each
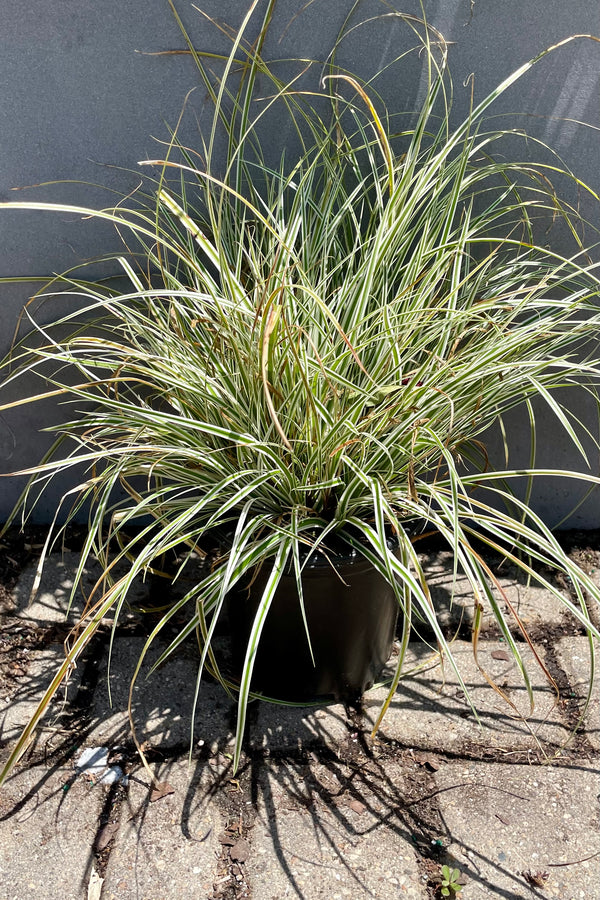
<point>316,349</point>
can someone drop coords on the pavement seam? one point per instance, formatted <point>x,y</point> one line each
<point>231,881</point>
<point>107,832</point>
<point>567,700</point>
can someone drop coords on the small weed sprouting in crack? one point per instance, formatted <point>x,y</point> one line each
<point>449,885</point>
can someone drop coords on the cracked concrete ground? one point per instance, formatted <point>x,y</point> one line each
<point>318,809</point>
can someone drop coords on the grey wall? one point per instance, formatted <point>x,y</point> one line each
<point>82,100</point>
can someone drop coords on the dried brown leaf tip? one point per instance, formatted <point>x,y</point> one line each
<point>161,789</point>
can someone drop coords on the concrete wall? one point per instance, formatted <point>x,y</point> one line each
<point>83,101</point>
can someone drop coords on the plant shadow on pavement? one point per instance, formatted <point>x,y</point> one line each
<point>317,807</point>
<point>384,795</point>
<point>312,766</point>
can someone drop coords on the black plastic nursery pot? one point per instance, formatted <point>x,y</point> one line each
<point>351,612</point>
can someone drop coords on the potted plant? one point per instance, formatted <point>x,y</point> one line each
<point>305,361</point>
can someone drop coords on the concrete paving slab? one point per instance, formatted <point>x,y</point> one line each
<point>504,820</point>
<point>573,654</point>
<point>453,597</point>
<point>52,601</point>
<point>162,703</point>
<point>322,832</point>
<point>48,822</point>
<point>45,623</point>
<point>429,709</point>
<point>330,825</point>
<point>275,728</point>
<point>166,850</point>
<point>19,703</point>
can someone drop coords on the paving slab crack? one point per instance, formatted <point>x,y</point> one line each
<point>568,701</point>
<point>231,881</point>
<point>108,827</point>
